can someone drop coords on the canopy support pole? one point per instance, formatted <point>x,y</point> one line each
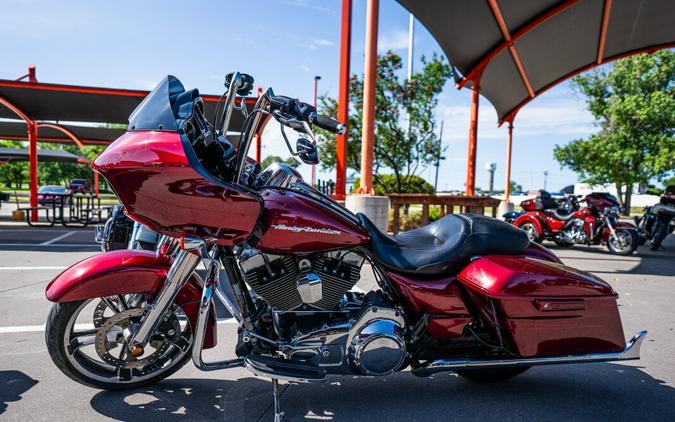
<point>473,140</point>
<point>507,189</point>
<point>369,81</point>
<point>343,100</point>
<point>33,166</point>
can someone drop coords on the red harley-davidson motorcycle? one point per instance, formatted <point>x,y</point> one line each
<point>568,224</point>
<point>467,293</point>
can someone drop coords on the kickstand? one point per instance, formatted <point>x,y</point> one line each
<point>278,414</point>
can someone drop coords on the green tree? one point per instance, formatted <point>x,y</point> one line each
<point>13,173</point>
<point>54,173</point>
<point>405,126</point>
<point>515,187</point>
<point>388,183</point>
<point>291,162</point>
<point>634,104</point>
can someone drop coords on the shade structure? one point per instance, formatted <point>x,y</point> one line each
<point>58,156</point>
<point>515,50</point>
<point>88,135</point>
<point>99,108</point>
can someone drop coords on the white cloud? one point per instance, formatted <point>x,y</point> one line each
<point>308,4</point>
<point>396,40</point>
<point>305,68</point>
<point>324,42</point>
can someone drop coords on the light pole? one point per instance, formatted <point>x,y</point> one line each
<point>316,87</point>
<point>491,167</point>
<point>545,178</point>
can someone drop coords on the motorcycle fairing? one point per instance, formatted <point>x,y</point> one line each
<point>128,271</point>
<point>542,308</point>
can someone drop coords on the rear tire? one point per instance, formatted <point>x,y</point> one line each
<point>491,375</point>
<point>58,322</point>
<point>532,233</point>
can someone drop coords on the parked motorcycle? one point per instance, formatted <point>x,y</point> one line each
<point>657,222</point>
<point>596,223</point>
<point>466,293</point>
<point>121,232</point>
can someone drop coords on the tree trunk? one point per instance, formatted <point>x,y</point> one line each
<point>626,202</point>
<point>619,193</point>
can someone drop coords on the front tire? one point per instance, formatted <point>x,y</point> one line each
<point>491,375</point>
<point>68,354</point>
<point>624,242</point>
<point>660,233</point>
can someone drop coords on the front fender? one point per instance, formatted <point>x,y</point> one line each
<point>124,272</point>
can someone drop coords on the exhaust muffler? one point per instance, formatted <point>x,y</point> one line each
<point>630,352</point>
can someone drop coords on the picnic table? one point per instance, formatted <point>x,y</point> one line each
<point>70,209</point>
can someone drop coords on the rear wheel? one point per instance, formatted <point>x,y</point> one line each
<point>492,374</point>
<point>532,233</point>
<point>87,340</point>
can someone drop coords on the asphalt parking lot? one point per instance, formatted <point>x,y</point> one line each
<point>32,388</point>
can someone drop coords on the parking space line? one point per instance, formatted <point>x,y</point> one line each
<point>18,329</point>
<point>31,268</point>
<point>57,238</point>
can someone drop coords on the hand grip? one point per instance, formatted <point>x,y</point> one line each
<point>330,124</point>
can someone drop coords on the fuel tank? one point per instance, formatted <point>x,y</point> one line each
<point>297,223</point>
<point>163,186</point>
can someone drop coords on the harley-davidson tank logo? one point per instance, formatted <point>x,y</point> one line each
<point>306,229</point>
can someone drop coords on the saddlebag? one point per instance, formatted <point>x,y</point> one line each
<point>538,308</point>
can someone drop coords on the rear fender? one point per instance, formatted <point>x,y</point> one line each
<point>530,217</point>
<point>128,271</point>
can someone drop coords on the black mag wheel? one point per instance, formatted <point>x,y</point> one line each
<point>491,374</point>
<point>87,341</point>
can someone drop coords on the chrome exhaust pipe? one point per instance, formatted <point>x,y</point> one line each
<point>630,352</point>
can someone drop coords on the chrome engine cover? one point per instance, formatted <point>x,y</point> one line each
<point>373,344</point>
<point>377,345</point>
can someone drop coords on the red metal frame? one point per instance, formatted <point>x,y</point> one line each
<point>477,70</point>
<point>97,90</point>
<point>509,142</point>
<point>473,142</point>
<point>603,31</point>
<point>343,100</point>
<point>512,49</point>
<point>512,114</point>
<point>369,81</point>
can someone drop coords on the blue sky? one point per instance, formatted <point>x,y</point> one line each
<point>283,44</point>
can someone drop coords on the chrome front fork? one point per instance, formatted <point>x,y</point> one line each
<point>184,265</point>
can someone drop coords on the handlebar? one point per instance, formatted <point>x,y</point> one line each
<point>287,109</point>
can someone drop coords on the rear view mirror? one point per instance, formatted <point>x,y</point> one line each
<point>306,150</point>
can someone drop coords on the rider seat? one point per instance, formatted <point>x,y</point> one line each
<point>446,245</point>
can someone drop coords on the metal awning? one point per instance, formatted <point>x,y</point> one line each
<point>51,103</point>
<point>57,155</point>
<point>514,50</point>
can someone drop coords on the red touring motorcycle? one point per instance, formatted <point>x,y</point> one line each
<point>567,225</point>
<point>467,293</point>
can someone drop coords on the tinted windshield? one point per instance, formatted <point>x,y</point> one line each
<point>158,111</point>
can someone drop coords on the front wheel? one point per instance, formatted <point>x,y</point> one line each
<point>660,233</point>
<point>622,242</point>
<point>491,375</point>
<point>87,340</point>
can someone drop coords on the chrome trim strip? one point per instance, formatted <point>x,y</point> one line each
<point>631,352</point>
